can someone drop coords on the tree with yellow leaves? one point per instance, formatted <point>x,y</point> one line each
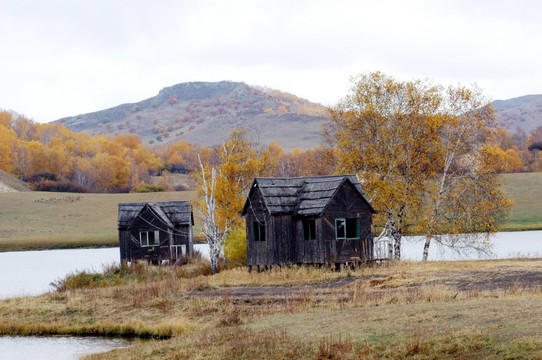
<point>400,139</point>
<point>223,186</point>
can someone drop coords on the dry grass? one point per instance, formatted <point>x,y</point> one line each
<point>402,310</point>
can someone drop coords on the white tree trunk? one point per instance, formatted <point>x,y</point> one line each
<point>213,233</point>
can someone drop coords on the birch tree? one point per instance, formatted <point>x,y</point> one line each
<point>466,203</point>
<point>384,131</point>
<point>420,152</point>
<point>212,231</point>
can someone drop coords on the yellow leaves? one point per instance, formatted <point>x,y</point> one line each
<point>421,153</point>
<point>7,141</point>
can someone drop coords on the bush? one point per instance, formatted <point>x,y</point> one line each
<point>146,188</point>
<point>121,190</point>
<point>42,176</point>
<point>235,247</point>
<point>60,186</point>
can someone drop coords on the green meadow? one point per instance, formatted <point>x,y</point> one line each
<point>44,220</point>
<point>525,190</point>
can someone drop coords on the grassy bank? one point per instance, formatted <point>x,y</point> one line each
<point>444,310</point>
<point>525,190</point>
<point>44,220</point>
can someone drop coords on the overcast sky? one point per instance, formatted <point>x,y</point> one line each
<point>67,57</point>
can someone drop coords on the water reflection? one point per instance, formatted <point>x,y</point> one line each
<point>58,347</point>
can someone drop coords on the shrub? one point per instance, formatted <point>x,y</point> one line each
<point>60,186</point>
<point>42,176</point>
<point>146,188</point>
<point>235,247</point>
<point>121,190</point>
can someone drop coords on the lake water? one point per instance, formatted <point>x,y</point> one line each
<point>55,348</point>
<point>31,272</point>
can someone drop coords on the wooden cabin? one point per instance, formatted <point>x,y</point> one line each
<point>155,231</point>
<point>308,220</point>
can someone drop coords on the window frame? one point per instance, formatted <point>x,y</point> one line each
<point>259,228</point>
<point>147,243</point>
<point>311,225</point>
<point>348,223</point>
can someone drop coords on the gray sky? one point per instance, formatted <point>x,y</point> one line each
<point>67,57</point>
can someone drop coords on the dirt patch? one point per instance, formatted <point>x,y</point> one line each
<point>4,188</point>
<point>461,282</point>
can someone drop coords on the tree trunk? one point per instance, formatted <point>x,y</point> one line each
<point>426,248</point>
<point>396,244</point>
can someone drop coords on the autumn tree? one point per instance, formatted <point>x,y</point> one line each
<point>8,138</point>
<point>466,203</point>
<point>236,166</point>
<point>396,136</point>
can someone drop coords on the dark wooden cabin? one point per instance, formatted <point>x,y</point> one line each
<point>155,231</point>
<point>308,220</point>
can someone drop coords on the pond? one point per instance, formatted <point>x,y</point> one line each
<point>57,347</point>
<point>31,272</point>
<point>27,273</point>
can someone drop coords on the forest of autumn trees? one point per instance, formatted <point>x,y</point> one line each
<point>28,150</point>
<point>36,152</point>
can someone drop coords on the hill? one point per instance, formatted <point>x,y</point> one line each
<point>206,112</point>
<point>9,183</point>
<point>524,112</point>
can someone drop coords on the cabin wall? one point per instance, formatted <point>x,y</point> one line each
<point>309,251</point>
<point>346,204</point>
<point>135,251</point>
<point>259,253</point>
<point>182,235</point>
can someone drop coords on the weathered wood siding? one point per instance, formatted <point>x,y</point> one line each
<point>346,204</point>
<point>259,253</point>
<point>284,225</point>
<point>130,245</point>
<point>309,251</point>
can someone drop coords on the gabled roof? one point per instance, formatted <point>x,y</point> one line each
<point>172,213</point>
<point>305,196</point>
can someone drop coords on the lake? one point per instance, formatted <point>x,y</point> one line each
<point>55,347</point>
<point>31,272</point>
<point>27,273</point>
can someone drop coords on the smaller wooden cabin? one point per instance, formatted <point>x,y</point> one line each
<point>155,231</point>
<point>308,220</point>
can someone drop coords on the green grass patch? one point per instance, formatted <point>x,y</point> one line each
<point>525,190</point>
<point>44,220</point>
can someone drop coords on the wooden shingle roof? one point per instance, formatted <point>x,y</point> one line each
<point>304,196</point>
<point>172,213</point>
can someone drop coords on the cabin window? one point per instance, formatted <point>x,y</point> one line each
<point>149,238</point>
<point>347,228</point>
<point>309,229</point>
<point>258,231</point>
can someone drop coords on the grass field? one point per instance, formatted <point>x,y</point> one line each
<point>435,310</point>
<point>42,220</point>
<point>525,190</point>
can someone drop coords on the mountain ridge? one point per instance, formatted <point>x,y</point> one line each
<point>206,112</point>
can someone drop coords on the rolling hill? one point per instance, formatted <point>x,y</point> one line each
<point>523,112</point>
<point>206,112</point>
